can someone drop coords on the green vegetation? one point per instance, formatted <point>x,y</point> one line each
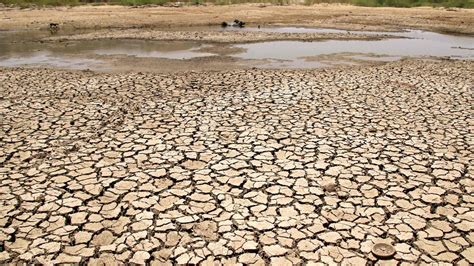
<point>372,3</point>
<point>26,3</point>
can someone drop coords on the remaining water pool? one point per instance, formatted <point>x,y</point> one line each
<point>415,43</point>
<point>14,51</point>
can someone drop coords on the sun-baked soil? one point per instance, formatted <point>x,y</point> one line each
<point>323,15</point>
<point>255,167</point>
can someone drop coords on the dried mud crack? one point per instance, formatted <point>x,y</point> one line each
<point>247,166</point>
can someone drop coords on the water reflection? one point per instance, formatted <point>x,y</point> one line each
<point>17,49</point>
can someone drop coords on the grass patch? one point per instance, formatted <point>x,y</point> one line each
<point>26,3</point>
<point>369,3</point>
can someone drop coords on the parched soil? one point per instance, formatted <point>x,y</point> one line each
<point>249,166</point>
<point>213,36</point>
<point>333,16</point>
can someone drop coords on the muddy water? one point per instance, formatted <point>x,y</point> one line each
<point>19,49</point>
<point>96,55</point>
<point>169,50</point>
<point>42,59</point>
<point>415,44</point>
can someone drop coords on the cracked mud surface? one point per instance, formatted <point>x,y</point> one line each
<point>248,166</point>
<point>214,36</point>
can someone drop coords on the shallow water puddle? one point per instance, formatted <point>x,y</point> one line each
<point>273,54</point>
<point>92,54</point>
<point>139,48</point>
<point>415,44</point>
<point>47,59</point>
<point>169,50</point>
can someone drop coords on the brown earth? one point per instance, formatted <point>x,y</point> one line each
<point>323,15</point>
<point>213,36</point>
<point>240,167</point>
<point>248,166</point>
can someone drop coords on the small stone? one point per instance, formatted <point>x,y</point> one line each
<point>383,250</point>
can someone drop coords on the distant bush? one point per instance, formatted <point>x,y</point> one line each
<point>25,3</point>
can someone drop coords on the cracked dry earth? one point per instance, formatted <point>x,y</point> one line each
<point>242,167</point>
